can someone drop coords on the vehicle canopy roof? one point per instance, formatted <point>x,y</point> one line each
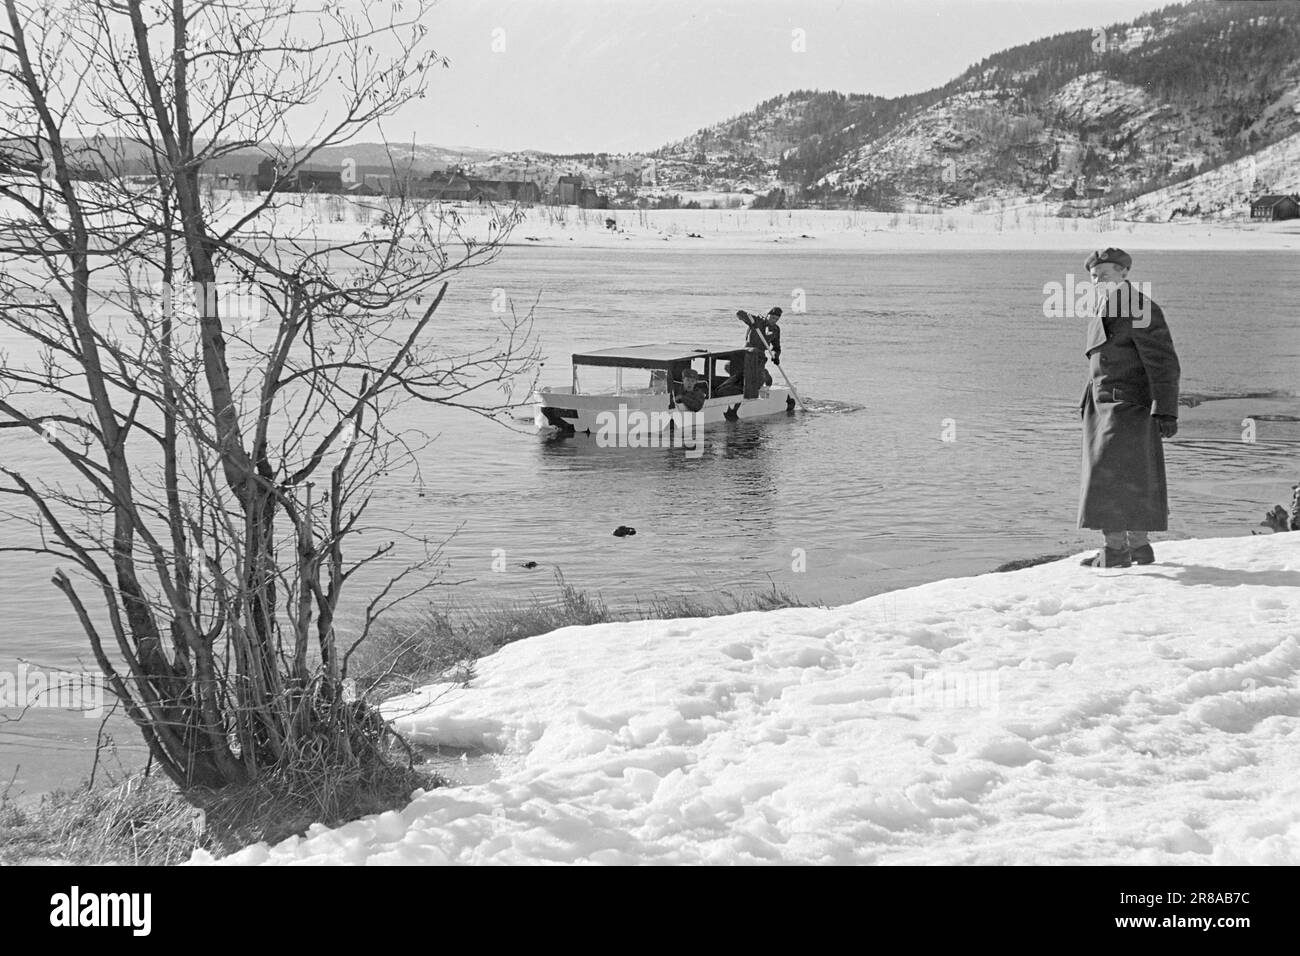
<point>662,355</point>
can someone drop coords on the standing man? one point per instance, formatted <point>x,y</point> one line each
<point>761,327</point>
<point>1129,404</point>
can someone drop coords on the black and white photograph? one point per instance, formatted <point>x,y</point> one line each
<point>839,433</point>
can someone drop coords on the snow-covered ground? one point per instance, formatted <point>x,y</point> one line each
<point>1051,715</point>
<point>806,230</point>
<point>1032,225</point>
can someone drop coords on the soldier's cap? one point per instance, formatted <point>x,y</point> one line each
<point>776,310</point>
<point>1117,256</point>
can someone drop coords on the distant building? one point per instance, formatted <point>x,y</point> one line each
<point>301,181</point>
<point>266,173</point>
<point>319,181</point>
<point>447,186</point>
<point>1275,207</point>
<point>361,180</point>
<point>506,190</point>
<point>568,190</point>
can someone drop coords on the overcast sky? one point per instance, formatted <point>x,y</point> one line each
<point>625,75</point>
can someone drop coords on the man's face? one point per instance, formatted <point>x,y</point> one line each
<point>1107,274</point>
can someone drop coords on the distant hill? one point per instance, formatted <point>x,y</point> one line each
<point>417,159</point>
<point>1083,120</point>
<point>126,156</point>
<point>1151,102</point>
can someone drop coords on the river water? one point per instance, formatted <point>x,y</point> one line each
<point>942,439</point>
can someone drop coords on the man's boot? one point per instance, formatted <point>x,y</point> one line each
<point>1143,555</point>
<point>1109,558</point>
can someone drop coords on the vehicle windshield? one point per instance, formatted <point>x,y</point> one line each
<point>613,380</point>
<point>712,375</point>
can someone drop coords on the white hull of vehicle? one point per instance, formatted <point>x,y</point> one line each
<point>647,411</point>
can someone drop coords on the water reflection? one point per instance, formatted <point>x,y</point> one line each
<point>732,474</point>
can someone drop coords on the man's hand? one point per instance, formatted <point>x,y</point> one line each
<point>1168,425</point>
<point>775,360</point>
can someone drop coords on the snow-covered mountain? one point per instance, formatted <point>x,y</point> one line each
<point>1170,107</point>
<point>1088,116</point>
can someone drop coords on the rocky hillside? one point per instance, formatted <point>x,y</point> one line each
<point>1084,118</point>
<point>1225,191</point>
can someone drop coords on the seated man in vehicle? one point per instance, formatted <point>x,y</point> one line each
<point>694,391</point>
<point>733,383</point>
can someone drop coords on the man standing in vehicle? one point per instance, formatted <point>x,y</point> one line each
<point>760,328</point>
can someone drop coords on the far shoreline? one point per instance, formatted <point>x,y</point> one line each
<point>312,218</point>
<point>849,231</point>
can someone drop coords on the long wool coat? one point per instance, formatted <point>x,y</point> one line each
<point>1133,375</point>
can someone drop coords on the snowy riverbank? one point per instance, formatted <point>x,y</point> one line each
<point>312,218</point>
<point>1050,715</point>
<point>328,218</point>
<point>1030,227</point>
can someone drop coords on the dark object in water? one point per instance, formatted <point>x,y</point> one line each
<point>622,531</point>
<point>529,564</point>
<point>1276,519</point>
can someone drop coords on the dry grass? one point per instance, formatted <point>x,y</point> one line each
<point>140,821</point>
<point>359,769</point>
<point>442,644</point>
<point>147,821</point>
<point>726,602</point>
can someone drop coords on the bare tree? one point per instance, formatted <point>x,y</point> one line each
<point>215,376</point>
